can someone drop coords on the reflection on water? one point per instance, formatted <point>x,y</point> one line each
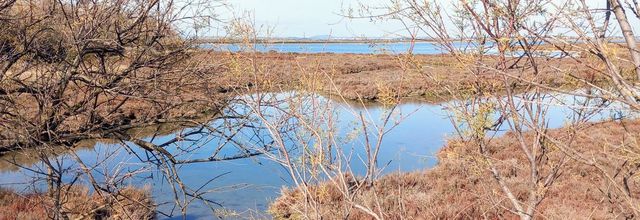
<point>247,185</point>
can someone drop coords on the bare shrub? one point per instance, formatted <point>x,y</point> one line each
<point>531,171</point>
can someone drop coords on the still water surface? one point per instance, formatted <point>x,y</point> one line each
<point>356,48</point>
<point>425,48</point>
<point>248,185</point>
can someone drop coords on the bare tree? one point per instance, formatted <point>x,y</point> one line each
<point>77,70</point>
<point>519,43</point>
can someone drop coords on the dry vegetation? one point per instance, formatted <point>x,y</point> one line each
<point>79,203</point>
<point>368,76</point>
<point>77,70</point>
<point>461,187</point>
<point>70,71</point>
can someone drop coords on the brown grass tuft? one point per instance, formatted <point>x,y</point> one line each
<point>79,203</point>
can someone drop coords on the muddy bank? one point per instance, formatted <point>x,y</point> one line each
<point>460,187</point>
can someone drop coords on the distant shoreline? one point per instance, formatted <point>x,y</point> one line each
<point>338,41</point>
<point>311,41</point>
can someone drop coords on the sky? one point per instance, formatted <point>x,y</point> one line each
<point>308,18</point>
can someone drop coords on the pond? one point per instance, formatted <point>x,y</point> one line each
<point>246,186</point>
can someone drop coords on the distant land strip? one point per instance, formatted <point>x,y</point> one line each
<point>329,40</point>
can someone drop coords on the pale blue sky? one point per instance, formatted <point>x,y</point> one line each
<point>298,18</point>
<point>307,18</point>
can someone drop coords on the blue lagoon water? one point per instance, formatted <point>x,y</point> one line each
<point>247,186</point>
<point>355,48</point>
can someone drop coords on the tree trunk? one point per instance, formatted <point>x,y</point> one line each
<point>627,33</point>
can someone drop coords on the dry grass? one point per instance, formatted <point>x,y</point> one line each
<point>460,186</point>
<point>369,76</point>
<point>79,203</point>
